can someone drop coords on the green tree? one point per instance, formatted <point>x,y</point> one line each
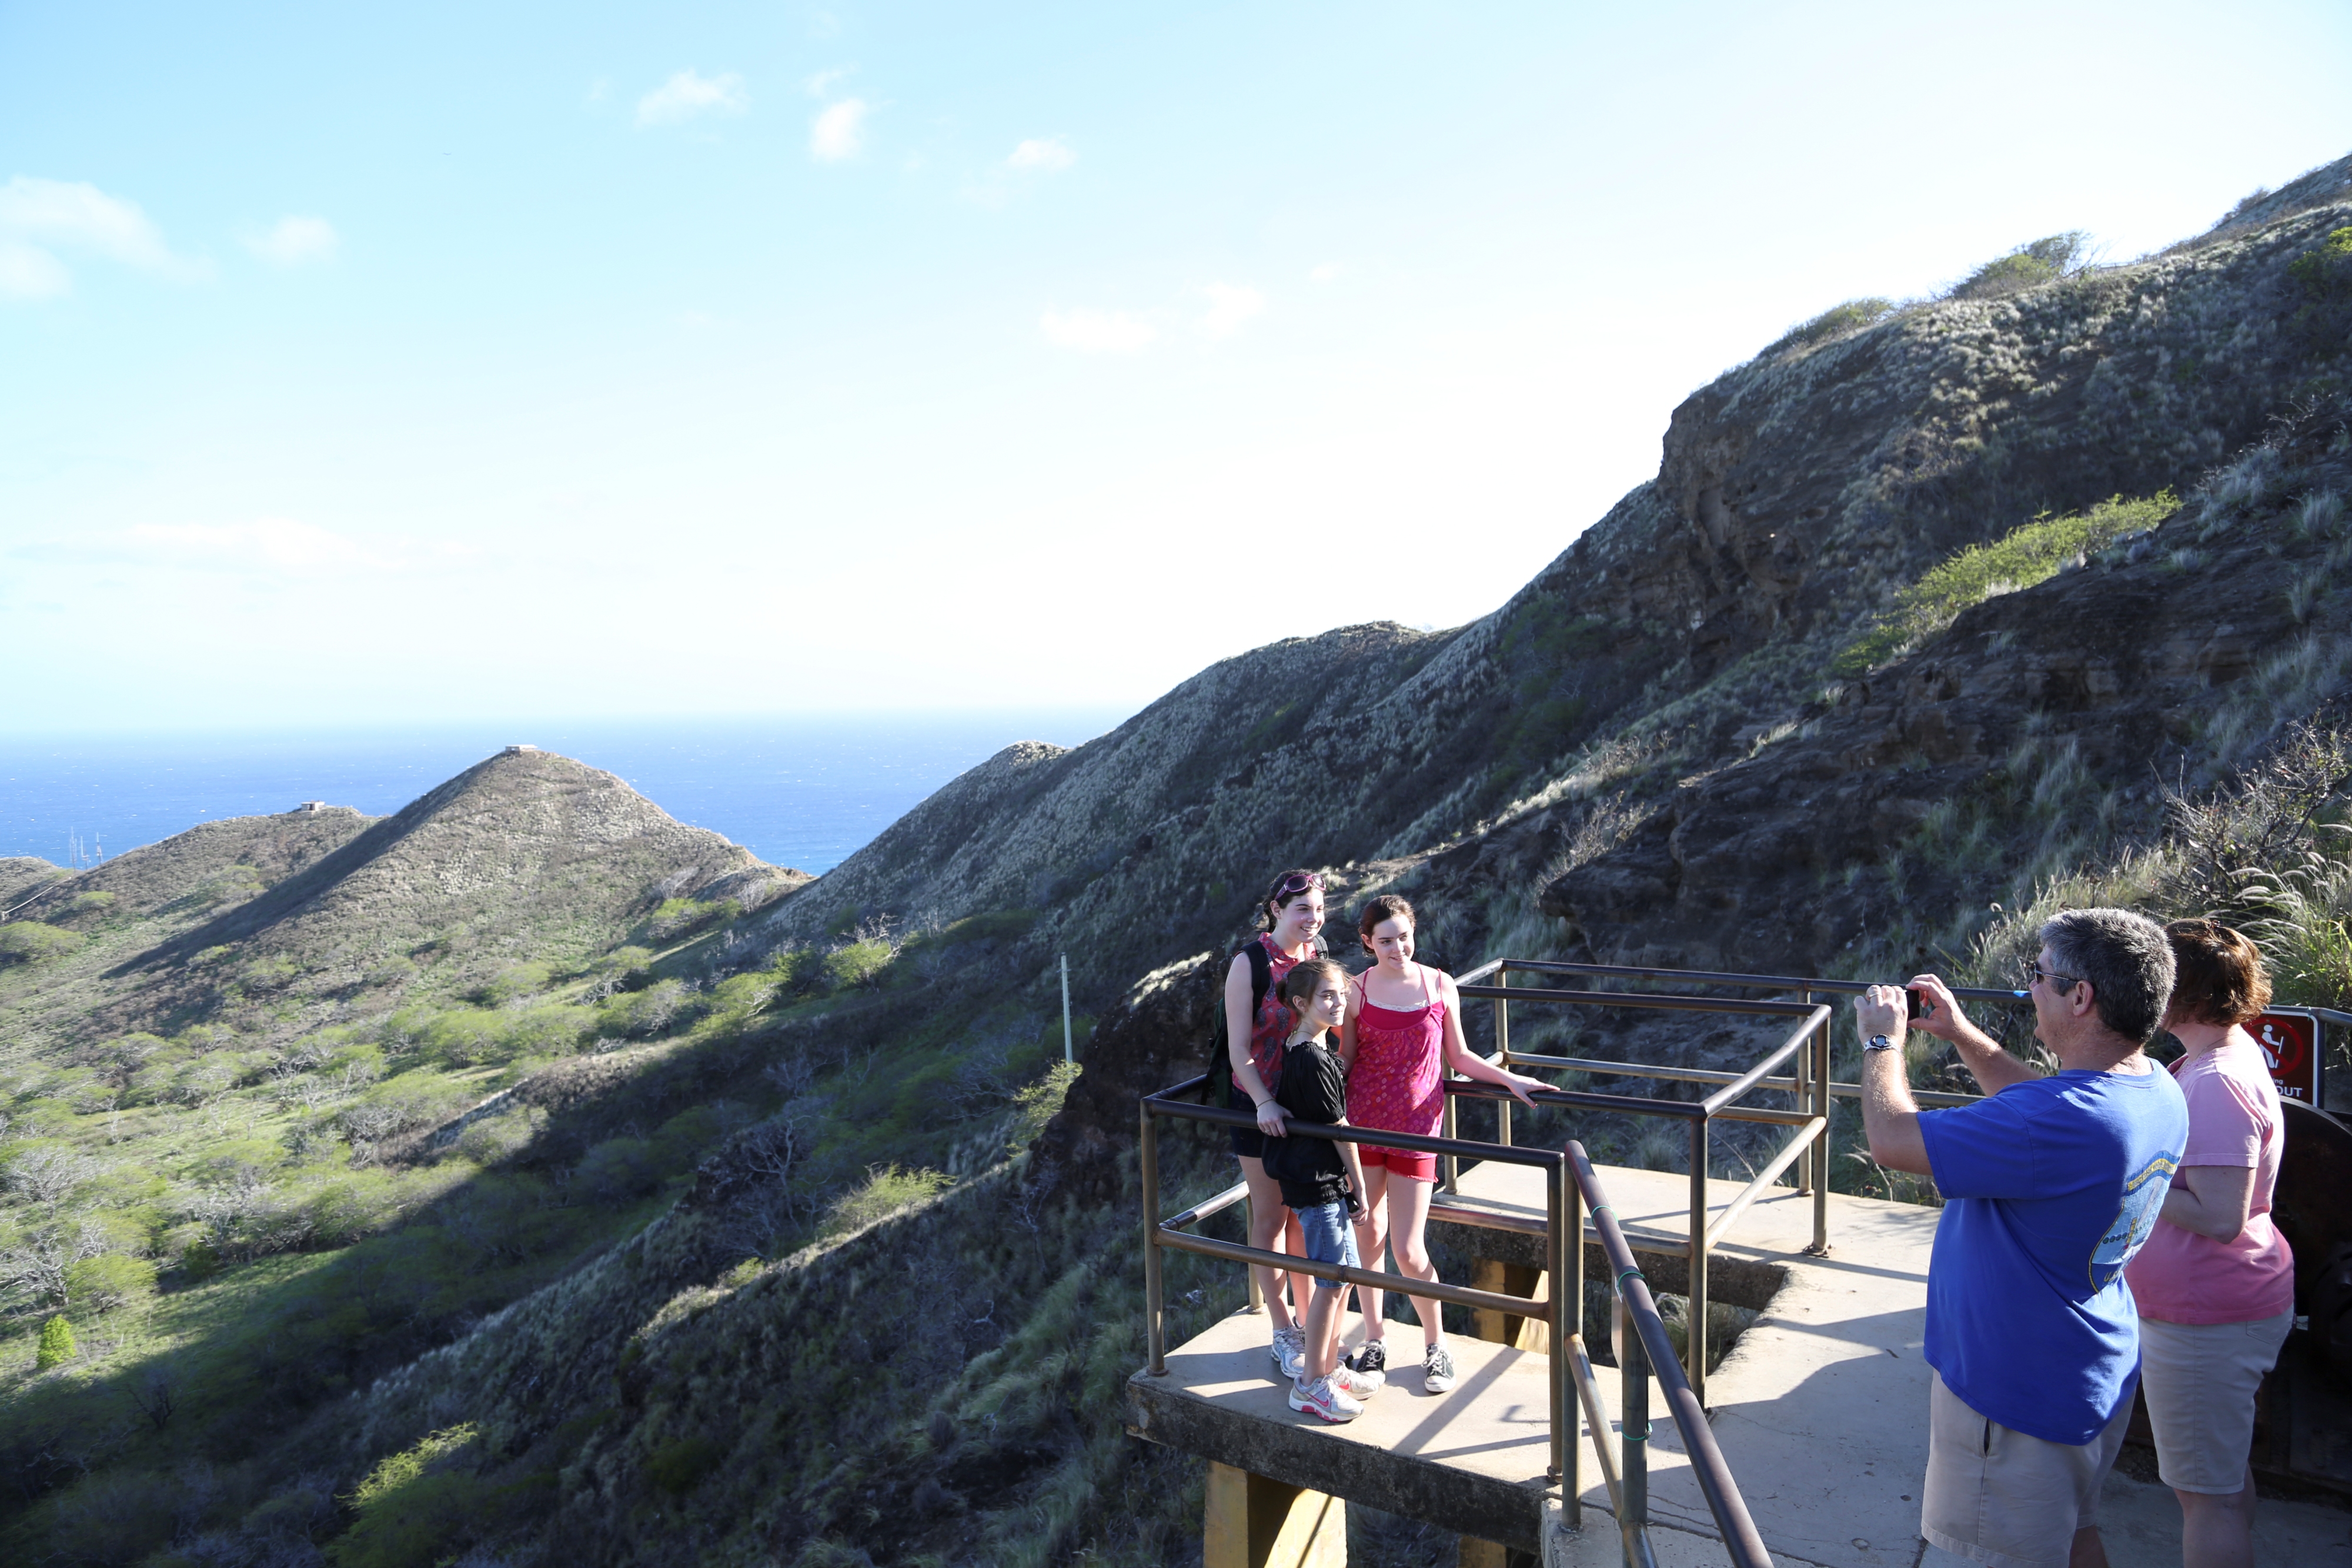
<point>57,1345</point>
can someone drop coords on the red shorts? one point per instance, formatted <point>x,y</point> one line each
<point>1399,1162</point>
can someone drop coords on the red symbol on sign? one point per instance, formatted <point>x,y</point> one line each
<point>2286,1039</point>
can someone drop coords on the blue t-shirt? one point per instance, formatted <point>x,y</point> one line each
<point>2049,1187</point>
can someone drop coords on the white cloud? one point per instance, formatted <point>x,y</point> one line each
<point>1099,332</point>
<point>39,217</point>
<point>279,545</point>
<point>821,85</point>
<point>28,272</point>
<point>690,93</point>
<point>1230,305</point>
<point>839,132</point>
<point>291,241</point>
<point>1048,152</point>
<point>1325,273</point>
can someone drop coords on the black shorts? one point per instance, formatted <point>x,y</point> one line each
<point>1250,1141</point>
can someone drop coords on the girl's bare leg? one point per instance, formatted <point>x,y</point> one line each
<point>1294,1241</point>
<point>1372,1239</point>
<point>1270,1221</point>
<point>1408,1221</point>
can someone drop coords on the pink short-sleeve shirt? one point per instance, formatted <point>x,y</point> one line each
<point>2180,1277</point>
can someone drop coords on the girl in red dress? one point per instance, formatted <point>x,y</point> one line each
<point>1293,912</point>
<point>1403,1030</point>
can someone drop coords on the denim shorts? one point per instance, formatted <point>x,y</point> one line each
<point>1331,1238</point>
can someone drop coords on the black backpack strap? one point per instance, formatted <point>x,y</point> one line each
<point>1221,1068</point>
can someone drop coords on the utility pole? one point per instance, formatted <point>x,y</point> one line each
<point>1069,1054</point>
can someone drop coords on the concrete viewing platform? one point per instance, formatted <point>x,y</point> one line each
<point>1820,1408</point>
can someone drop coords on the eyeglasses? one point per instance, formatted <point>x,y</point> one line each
<point>1297,882</point>
<point>2032,970</point>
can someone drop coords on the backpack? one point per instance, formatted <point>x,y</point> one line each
<point>1221,1068</point>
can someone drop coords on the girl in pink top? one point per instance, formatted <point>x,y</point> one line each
<point>2215,1283</point>
<point>1403,1030</point>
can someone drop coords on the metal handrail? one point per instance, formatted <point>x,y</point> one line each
<point>1807,1048</point>
<point>1565,1249</point>
<point>1570,1189</point>
<point>1646,1348</point>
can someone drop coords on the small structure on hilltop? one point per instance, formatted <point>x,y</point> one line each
<point>310,806</point>
<point>517,750</point>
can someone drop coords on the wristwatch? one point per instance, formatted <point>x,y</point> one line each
<point>1879,1042</point>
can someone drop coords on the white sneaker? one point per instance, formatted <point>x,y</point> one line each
<point>1289,1351</point>
<point>1321,1398</point>
<point>1356,1384</point>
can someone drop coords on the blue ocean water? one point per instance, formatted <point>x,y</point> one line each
<point>800,792</point>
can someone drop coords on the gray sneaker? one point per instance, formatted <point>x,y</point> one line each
<point>1320,1398</point>
<point>1436,1369</point>
<point>1289,1351</point>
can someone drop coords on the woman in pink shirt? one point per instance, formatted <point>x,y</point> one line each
<point>1403,1030</point>
<point>2215,1282</point>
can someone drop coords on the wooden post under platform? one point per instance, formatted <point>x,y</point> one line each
<point>1254,1522</point>
<point>1530,1332</point>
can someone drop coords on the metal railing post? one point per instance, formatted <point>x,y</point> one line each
<point>1566,1295</point>
<point>1632,1427</point>
<point>1502,1052</point>
<point>1155,1321</point>
<point>1565,1215</point>
<point>1257,1291</point>
<point>1695,1337</point>
<point>1822,1143</point>
<point>1453,1166</point>
<point>1807,1179</point>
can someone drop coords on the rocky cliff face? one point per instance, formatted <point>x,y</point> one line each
<point>2087,693</point>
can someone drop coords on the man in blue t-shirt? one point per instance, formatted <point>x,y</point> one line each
<point>2050,1183</point>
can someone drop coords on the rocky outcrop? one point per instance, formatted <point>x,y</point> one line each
<point>1156,1036</point>
<point>2084,694</point>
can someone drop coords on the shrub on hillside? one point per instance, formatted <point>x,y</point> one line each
<point>859,962</point>
<point>57,1345</point>
<point>30,942</point>
<point>1837,321</point>
<point>2039,261</point>
<point>512,985</point>
<point>642,1014</point>
<point>2019,558</point>
<point>465,1037</point>
<point>110,1280</point>
<point>2326,270</point>
<point>887,1190</point>
<point>545,1031</point>
<point>412,1507</point>
<point>678,917</point>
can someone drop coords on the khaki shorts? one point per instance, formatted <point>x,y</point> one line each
<point>1995,1495</point>
<point>2201,1380</point>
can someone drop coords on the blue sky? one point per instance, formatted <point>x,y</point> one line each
<point>596,360</point>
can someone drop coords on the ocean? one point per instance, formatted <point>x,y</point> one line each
<point>805,792</point>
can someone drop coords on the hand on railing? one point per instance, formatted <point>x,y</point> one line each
<point>1272,1119</point>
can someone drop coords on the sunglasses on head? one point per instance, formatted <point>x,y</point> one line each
<point>1291,887</point>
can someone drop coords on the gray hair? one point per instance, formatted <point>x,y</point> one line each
<point>2127,959</point>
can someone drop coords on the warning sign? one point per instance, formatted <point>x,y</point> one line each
<point>2289,1040</point>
